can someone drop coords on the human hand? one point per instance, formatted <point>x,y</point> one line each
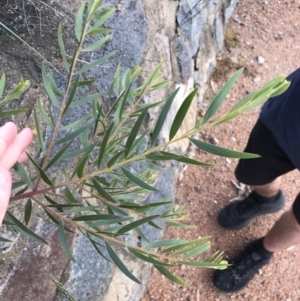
<point>12,150</point>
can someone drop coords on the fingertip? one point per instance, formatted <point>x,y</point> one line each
<point>29,134</point>
<point>9,127</point>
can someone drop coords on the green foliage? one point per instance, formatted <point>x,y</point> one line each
<point>110,141</point>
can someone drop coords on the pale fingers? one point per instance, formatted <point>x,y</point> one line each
<point>8,133</point>
<point>5,189</point>
<point>15,150</point>
<point>23,157</point>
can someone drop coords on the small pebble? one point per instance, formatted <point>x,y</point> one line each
<point>261,59</point>
<point>257,79</point>
<point>214,140</point>
<point>228,160</point>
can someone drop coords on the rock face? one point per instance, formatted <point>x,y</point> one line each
<point>186,35</point>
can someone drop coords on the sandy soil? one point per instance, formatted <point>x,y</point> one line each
<point>269,29</point>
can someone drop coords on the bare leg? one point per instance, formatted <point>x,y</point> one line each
<point>285,233</point>
<point>268,190</point>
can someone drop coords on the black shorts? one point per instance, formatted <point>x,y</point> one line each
<point>273,161</point>
<point>272,164</point>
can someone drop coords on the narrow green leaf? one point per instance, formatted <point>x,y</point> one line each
<point>243,101</point>
<point>82,209</point>
<point>52,218</point>
<point>19,169</point>
<point>39,132</point>
<point>102,192</point>
<point>104,143</point>
<point>151,166</point>
<point>63,241</point>
<point>203,264</point>
<point>18,184</point>
<point>160,157</point>
<point>93,9</point>
<point>2,84</point>
<point>97,217</point>
<point>84,83</point>
<point>187,160</point>
<point>197,250</point>
<point>71,155</point>
<point>120,109</point>
<point>69,196</point>
<point>72,95</point>
<point>28,210</point>
<point>137,223</point>
<point>16,92</point>
<point>111,221</point>
<point>180,225</point>
<point>76,123</point>
<point>221,96</point>
<point>41,171</point>
<point>87,99</point>
<point>223,152</point>
<point>21,191</point>
<point>134,132</point>
<point>45,116</point>
<point>99,31</point>
<point>97,249</point>
<point>170,276</point>
<point>97,44</point>
<point>162,117</point>
<point>119,263</point>
<point>23,229</point>
<point>54,87</point>
<point>101,180</point>
<point>96,63</point>
<point>48,87</point>
<point>137,181</point>
<point>143,257</point>
<point>2,239</point>
<point>12,112</point>
<point>181,114</point>
<point>155,226</point>
<point>151,78</point>
<point>52,202</point>
<point>58,155</point>
<point>103,16</point>
<point>62,47</point>
<point>160,85</point>
<point>79,21</point>
<point>164,243</point>
<point>117,79</point>
<point>149,106</point>
<point>81,166</point>
<point>114,159</point>
<point>139,142</point>
<point>74,134</point>
<point>186,244</point>
<point>280,88</point>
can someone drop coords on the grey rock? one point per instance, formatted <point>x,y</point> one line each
<point>184,57</point>
<point>89,275</point>
<point>229,8</point>
<point>191,16</point>
<point>219,31</point>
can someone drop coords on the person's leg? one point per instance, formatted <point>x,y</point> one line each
<point>264,177</point>
<point>269,190</point>
<point>286,231</point>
